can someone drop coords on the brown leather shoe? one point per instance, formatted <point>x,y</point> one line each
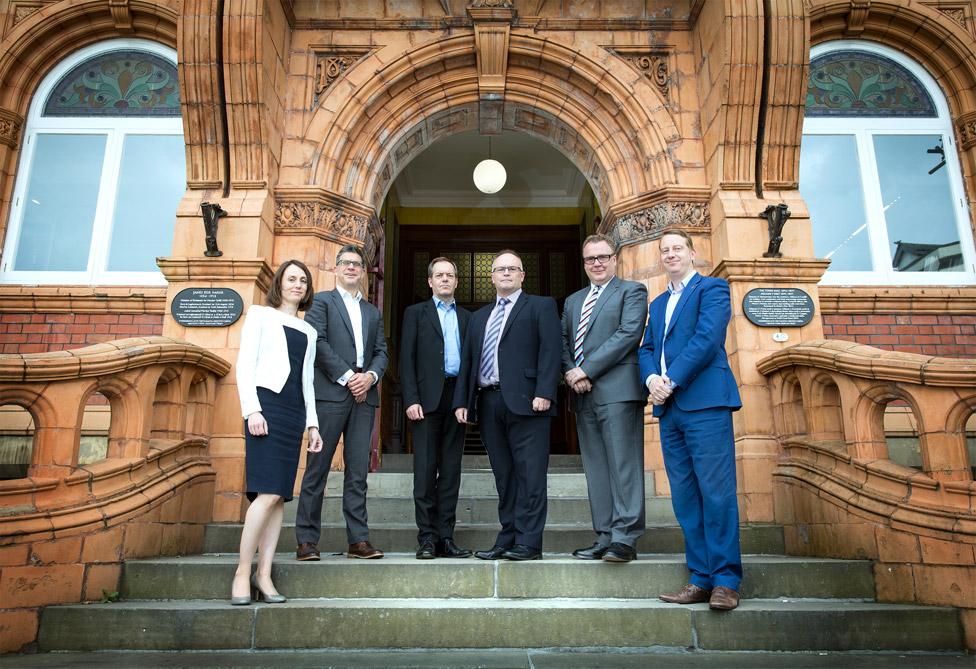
<point>723,599</point>
<point>307,552</point>
<point>690,594</point>
<point>364,550</point>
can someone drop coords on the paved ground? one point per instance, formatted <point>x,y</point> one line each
<point>496,659</point>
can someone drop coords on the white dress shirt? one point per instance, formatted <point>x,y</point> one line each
<point>482,381</point>
<point>351,302</point>
<point>673,298</point>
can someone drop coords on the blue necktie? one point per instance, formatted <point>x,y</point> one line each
<point>491,338</point>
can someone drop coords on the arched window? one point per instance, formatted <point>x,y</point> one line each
<point>879,171</point>
<point>102,169</point>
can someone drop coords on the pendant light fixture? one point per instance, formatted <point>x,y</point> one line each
<point>489,175</point>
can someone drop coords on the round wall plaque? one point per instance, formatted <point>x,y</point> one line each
<point>207,307</point>
<point>778,307</point>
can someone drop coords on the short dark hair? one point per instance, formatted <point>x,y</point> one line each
<point>351,248</point>
<point>680,233</point>
<point>597,238</point>
<point>430,267</point>
<point>510,252</point>
<point>274,293</point>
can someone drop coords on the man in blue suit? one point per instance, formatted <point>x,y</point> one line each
<point>686,371</point>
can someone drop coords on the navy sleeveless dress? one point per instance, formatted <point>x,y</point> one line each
<point>271,461</point>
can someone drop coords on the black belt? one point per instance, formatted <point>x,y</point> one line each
<point>494,386</point>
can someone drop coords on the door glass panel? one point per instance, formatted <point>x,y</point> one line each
<point>830,182</point>
<point>152,180</point>
<point>530,262</point>
<point>484,290</point>
<point>59,206</point>
<point>917,202</point>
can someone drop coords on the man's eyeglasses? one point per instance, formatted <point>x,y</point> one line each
<point>350,263</point>
<point>503,270</point>
<point>592,260</point>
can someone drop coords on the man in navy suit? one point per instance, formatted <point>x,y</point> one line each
<point>507,384</point>
<point>686,371</point>
<point>430,359</point>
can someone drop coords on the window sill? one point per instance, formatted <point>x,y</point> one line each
<point>83,299</point>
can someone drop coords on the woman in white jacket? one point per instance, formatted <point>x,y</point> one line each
<point>274,380</point>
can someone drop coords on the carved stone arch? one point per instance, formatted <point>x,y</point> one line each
<point>125,435</point>
<point>825,411</point>
<point>869,418</point>
<point>609,110</point>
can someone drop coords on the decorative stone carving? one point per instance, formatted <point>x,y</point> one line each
<point>121,15</point>
<point>652,222</point>
<point>323,217</point>
<point>10,126</point>
<point>330,63</point>
<point>21,10</point>
<point>652,63</point>
<point>857,17</point>
<point>957,14</point>
<point>966,126</point>
<point>494,4</point>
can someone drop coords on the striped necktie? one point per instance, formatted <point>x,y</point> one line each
<point>585,323</point>
<point>491,339</point>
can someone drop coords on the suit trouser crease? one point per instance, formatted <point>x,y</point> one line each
<point>518,451</point>
<point>612,450</point>
<point>699,457</point>
<point>438,446</point>
<point>354,422</point>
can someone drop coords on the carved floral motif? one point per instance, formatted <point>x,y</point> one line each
<point>504,4</point>
<point>333,222</point>
<point>650,223</point>
<point>652,63</point>
<point>10,127</point>
<point>966,125</point>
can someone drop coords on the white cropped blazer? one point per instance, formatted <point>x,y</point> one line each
<point>263,359</point>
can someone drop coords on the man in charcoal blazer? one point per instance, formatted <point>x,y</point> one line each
<point>507,384</point>
<point>602,328</point>
<point>430,359</point>
<point>350,359</point>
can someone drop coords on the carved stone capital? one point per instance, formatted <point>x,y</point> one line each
<point>652,222</point>
<point>11,123</point>
<point>966,126</point>
<point>313,211</point>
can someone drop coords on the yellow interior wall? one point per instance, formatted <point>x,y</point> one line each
<point>458,216</point>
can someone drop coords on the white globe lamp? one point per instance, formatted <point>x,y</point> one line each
<point>489,176</point>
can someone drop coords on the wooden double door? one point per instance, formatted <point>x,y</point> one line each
<point>550,256</point>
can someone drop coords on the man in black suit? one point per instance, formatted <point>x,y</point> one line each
<point>430,359</point>
<point>350,359</point>
<point>507,384</point>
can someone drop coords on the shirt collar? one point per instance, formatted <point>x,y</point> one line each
<point>683,283</point>
<point>511,298</point>
<point>346,295</point>
<point>438,302</point>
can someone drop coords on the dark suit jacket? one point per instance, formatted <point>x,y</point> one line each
<point>528,356</point>
<point>422,354</point>
<point>335,348</point>
<point>611,342</point>
<point>694,346</point>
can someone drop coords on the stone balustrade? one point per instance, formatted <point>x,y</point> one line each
<point>66,528</point>
<point>837,491</point>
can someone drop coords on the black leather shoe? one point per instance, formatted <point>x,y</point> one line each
<point>522,552</point>
<point>426,550</point>
<point>493,553</point>
<point>594,552</point>
<point>618,552</point>
<point>447,548</point>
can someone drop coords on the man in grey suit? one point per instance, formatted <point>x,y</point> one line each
<point>350,359</point>
<point>602,326</point>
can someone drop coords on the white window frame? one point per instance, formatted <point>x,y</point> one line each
<point>863,130</point>
<point>115,130</point>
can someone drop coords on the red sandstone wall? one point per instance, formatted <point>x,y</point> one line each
<point>928,334</point>
<point>40,333</point>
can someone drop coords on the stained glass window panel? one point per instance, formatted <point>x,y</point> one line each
<point>59,205</point>
<point>151,183</point>
<point>557,275</point>
<point>917,204</point>
<point>420,288</point>
<point>118,83</point>
<point>530,261</point>
<point>484,291</point>
<point>858,83</point>
<point>464,272</point>
<point>830,182</point>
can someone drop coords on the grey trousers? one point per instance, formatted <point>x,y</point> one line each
<point>611,439</point>
<point>354,422</point>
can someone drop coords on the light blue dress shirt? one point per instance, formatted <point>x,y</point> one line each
<point>447,313</point>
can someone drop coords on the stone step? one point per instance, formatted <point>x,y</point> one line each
<point>403,462</point>
<point>499,658</point>
<point>758,624</point>
<point>765,577</point>
<point>558,538</point>
<point>473,484</point>
<point>474,510</point>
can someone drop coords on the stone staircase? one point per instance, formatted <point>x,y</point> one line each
<point>791,603</point>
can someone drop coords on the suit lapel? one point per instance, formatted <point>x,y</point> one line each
<point>612,287</point>
<point>364,319</point>
<point>340,305</point>
<point>431,311</point>
<point>683,300</point>
<point>516,308</point>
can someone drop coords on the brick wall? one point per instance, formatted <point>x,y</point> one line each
<point>928,334</point>
<point>39,333</point>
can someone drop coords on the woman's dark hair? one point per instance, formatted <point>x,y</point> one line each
<point>274,293</point>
